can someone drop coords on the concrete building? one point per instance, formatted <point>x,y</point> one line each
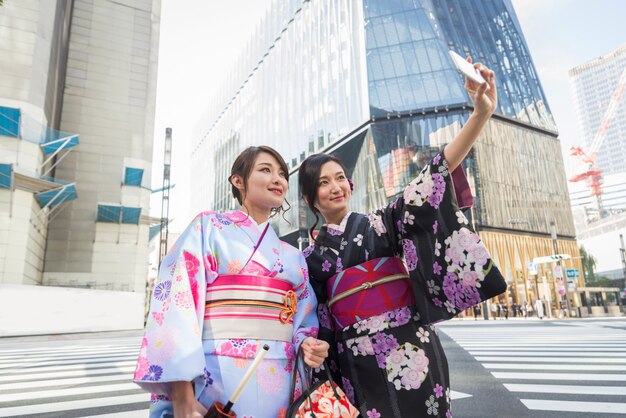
<point>372,81</point>
<point>77,101</point>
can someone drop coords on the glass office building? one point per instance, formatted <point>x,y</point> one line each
<point>372,81</point>
<point>594,85</point>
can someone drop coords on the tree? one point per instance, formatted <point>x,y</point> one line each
<point>589,265</point>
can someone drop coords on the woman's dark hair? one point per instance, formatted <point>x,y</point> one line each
<point>243,167</point>
<point>308,180</point>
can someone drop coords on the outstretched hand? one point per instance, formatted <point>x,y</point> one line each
<point>314,351</point>
<point>484,96</point>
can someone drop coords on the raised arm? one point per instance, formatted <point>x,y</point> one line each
<point>485,99</point>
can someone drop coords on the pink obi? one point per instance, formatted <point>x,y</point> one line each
<point>368,289</point>
<point>249,307</point>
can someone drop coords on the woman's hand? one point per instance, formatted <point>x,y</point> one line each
<point>184,402</point>
<point>193,409</point>
<point>485,100</point>
<point>484,96</point>
<point>314,351</point>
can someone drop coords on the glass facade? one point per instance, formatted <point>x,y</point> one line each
<point>299,87</point>
<point>409,68</point>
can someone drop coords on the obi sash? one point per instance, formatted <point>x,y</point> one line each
<point>368,289</point>
<point>249,307</point>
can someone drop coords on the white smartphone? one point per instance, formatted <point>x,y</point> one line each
<point>466,68</point>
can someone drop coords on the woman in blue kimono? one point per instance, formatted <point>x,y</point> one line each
<point>383,279</point>
<point>226,288</point>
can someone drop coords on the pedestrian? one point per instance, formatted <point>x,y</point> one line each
<point>476,312</point>
<point>539,308</point>
<point>376,315</point>
<point>524,310</point>
<point>226,288</point>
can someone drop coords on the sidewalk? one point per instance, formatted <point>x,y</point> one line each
<point>73,336</point>
<point>545,318</point>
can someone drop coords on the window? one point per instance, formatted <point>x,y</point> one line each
<point>9,121</point>
<point>107,213</point>
<point>6,176</point>
<point>118,214</point>
<point>133,176</point>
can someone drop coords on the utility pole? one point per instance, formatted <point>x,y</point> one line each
<point>555,245</point>
<point>165,202</point>
<point>622,251</point>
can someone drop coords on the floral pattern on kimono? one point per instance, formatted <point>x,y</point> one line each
<point>393,364</point>
<point>173,348</point>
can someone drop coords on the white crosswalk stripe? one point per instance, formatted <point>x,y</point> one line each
<point>79,377</point>
<point>556,368</point>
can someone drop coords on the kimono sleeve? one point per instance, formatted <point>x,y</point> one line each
<point>449,265</point>
<point>305,322</point>
<point>171,349</point>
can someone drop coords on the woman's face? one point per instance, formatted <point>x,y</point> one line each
<point>333,191</point>
<point>267,184</point>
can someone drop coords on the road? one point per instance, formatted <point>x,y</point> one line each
<point>532,368</point>
<point>508,369</point>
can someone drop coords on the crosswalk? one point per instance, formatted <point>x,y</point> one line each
<point>71,378</point>
<point>565,367</point>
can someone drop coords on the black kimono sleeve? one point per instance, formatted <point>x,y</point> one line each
<point>449,266</point>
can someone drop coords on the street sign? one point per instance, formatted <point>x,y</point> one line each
<point>571,286</point>
<point>532,269</point>
<point>560,286</point>
<point>551,258</point>
<point>558,272</point>
<point>572,273</point>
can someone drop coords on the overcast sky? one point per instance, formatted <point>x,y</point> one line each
<point>200,39</point>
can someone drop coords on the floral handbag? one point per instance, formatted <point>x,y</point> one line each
<point>324,399</point>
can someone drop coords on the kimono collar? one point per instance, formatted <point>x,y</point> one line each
<point>342,226</point>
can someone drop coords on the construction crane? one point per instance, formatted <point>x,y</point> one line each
<point>593,174</point>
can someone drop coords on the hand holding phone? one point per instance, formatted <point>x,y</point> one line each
<point>466,68</point>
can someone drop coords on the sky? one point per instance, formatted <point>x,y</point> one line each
<point>200,40</point>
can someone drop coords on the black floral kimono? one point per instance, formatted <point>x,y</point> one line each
<point>390,361</point>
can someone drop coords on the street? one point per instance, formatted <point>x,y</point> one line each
<point>77,375</point>
<point>532,368</point>
<point>515,368</point>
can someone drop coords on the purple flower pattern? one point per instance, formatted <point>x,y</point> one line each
<point>333,231</point>
<point>339,265</point>
<point>162,290</point>
<point>438,391</point>
<point>347,388</point>
<point>410,254</point>
<point>154,373</point>
<point>373,413</point>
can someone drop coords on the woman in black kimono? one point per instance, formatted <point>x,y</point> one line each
<point>375,309</point>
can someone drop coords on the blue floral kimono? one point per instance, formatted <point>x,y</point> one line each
<point>180,343</point>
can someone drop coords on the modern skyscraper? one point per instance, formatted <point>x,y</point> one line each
<point>372,81</point>
<point>74,205</point>
<point>594,84</point>
<point>599,88</point>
